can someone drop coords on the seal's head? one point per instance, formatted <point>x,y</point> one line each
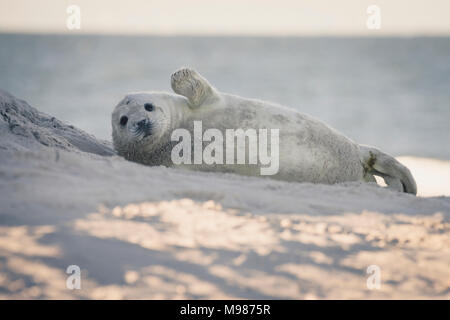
<point>140,121</point>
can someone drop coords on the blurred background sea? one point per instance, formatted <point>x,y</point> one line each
<point>393,93</point>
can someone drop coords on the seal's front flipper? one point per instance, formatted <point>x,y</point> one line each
<point>189,83</point>
<point>396,175</point>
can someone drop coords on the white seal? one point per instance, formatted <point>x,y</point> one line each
<point>309,150</point>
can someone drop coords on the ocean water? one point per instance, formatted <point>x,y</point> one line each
<point>393,93</point>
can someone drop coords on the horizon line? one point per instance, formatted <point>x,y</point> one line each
<point>231,34</point>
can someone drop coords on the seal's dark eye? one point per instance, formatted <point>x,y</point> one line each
<point>149,107</point>
<point>123,120</point>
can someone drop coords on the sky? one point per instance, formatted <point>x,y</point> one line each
<point>228,17</point>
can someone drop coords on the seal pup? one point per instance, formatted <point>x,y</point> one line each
<point>309,150</point>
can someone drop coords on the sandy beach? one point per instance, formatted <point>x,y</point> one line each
<point>161,233</point>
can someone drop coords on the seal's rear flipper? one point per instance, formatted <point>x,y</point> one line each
<point>189,83</point>
<point>396,175</point>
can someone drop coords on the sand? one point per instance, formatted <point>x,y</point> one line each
<point>161,233</point>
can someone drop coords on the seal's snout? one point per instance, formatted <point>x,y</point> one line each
<point>143,126</point>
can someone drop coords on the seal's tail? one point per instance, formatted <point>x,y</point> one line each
<point>396,175</point>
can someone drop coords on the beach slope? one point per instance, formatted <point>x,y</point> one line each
<point>140,232</point>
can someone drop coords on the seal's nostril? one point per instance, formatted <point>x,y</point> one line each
<point>141,123</point>
<point>123,120</point>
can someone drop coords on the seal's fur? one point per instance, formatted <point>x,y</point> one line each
<point>310,151</point>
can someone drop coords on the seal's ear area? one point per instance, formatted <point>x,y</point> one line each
<point>187,82</point>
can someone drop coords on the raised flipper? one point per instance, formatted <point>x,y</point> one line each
<point>187,82</point>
